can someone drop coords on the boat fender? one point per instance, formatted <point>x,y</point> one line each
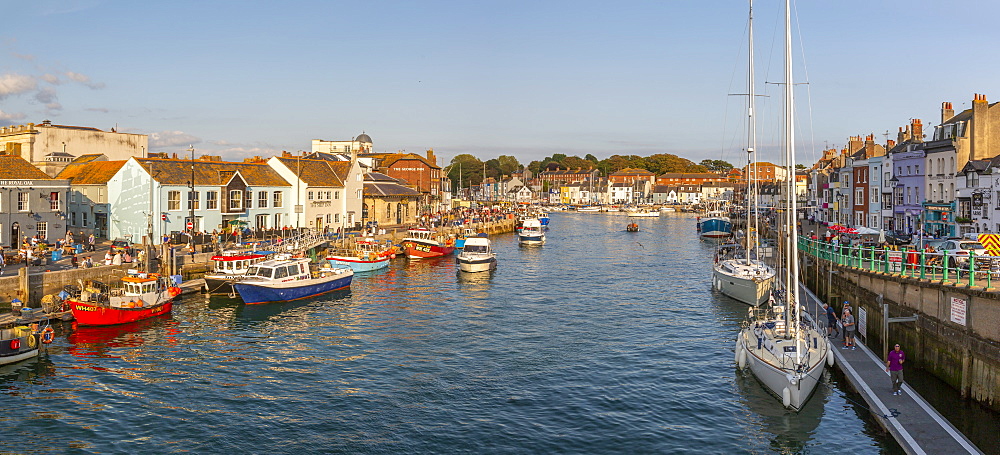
<point>741,358</point>
<point>15,344</point>
<point>48,335</point>
<point>829,354</point>
<point>786,397</point>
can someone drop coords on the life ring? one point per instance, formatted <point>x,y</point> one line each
<point>48,335</point>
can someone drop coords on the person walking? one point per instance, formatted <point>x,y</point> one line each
<point>90,242</point>
<point>894,365</point>
<point>831,318</point>
<point>849,326</point>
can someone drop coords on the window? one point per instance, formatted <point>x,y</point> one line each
<point>261,222</point>
<point>908,170</point>
<point>249,199</point>
<point>360,194</point>
<point>336,194</point>
<point>193,200</point>
<point>916,169</point>
<point>54,201</point>
<point>874,199</point>
<point>336,218</point>
<point>972,179</point>
<point>328,217</point>
<point>310,197</point>
<point>22,202</point>
<point>173,200</point>
<point>388,210</point>
<point>84,219</point>
<point>72,218</point>
<point>859,196</point>
<point>235,200</point>
<point>102,197</point>
<point>43,229</point>
<point>212,200</point>
<point>262,199</point>
<point>277,221</point>
<point>277,199</point>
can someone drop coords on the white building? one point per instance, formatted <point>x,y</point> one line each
<point>329,193</point>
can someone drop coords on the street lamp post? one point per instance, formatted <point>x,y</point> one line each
<point>191,199</point>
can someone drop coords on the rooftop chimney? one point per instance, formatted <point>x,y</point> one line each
<point>946,111</point>
<point>285,154</point>
<point>917,129</point>
<point>431,157</point>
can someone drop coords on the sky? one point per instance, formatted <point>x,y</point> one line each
<point>489,78</point>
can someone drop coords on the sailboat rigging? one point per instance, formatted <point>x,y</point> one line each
<point>786,352</point>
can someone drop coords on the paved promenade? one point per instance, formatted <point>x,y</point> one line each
<point>917,426</point>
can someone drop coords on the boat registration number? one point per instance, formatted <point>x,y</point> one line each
<point>424,248</point>
<point>84,308</point>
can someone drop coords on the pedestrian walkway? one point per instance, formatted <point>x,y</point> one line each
<point>917,426</point>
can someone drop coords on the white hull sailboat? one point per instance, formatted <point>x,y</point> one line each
<point>747,279</point>
<point>784,349</point>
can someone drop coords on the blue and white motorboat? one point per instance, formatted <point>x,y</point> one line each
<point>366,256</point>
<point>467,233</point>
<point>286,279</point>
<point>478,255</point>
<point>714,226</point>
<point>531,232</point>
<point>543,218</point>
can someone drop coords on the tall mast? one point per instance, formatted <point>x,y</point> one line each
<point>792,236</point>
<point>751,139</point>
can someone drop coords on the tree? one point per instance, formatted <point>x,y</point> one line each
<point>591,158</point>
<point>717,165</point>
<point>468,168</point>
<point>800,167</point>
<point>573,162</point>
<point>508,165</point>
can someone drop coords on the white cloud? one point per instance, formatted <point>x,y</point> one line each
<point>50,78</point>
<point>171,139</point>
<point>11,116</point>
<point>85,80</point>
<point>16,84</point>
<point>98,109</point>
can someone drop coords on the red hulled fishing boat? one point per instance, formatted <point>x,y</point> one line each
<point>140,296</point>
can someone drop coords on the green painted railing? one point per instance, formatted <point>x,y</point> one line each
<point>955,268</point>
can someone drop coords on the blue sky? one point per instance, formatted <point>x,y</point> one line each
<point>528,79</point>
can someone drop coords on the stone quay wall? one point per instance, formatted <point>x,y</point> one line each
<point>966,356</point>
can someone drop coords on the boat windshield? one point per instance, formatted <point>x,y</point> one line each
<point>476,249</point>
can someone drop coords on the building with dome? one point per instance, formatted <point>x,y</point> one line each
<point>360,144</point>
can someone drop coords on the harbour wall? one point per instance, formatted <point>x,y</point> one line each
<point>956,336</point>
<point>31,288</point>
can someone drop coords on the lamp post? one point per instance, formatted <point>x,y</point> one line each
<point>191,199</point>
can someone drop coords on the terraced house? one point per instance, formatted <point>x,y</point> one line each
<point>210,194</point>
<point>31,202</point>
<point>328,191</point>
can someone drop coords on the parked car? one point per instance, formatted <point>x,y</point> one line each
<point>921,244</point>
<point>122,246</point>
<point>959,250</point>
<point>898,238</point>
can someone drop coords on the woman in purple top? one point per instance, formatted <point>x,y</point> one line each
<point>894,365</point>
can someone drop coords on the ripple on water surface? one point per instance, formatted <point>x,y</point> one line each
<point>599,341</point>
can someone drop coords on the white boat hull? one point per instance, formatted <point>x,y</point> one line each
<point>793,388</point>
<point>644,214</point>
<point>752,291</point>
<point>473,266</point>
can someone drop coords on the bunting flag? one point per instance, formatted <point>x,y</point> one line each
<point>991,242</point>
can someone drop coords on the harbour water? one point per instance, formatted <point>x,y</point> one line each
<point>600,341</point>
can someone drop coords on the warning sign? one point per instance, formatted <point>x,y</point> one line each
<point>991,242</point>
<point>958,310</point>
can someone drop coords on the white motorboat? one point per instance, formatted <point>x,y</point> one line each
<point>477,256</point>
<point>531,233</point>
<point>667,209</point>
<point>644,214</point>
<point>784,348</point>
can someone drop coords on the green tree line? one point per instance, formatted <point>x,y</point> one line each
<point>472,171</point>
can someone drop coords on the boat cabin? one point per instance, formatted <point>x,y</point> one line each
<point>477,245</point>
<point>280,270</point>
<point>236,263</point>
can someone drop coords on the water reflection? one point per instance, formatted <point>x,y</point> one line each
<point>98,341</point>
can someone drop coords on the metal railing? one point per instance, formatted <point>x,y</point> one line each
<point>948,267</point>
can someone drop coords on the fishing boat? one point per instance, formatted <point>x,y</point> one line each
<point>632,227</point>
<point>140,296</point>
<point>478,255</point>
<point>285,279</point>
<point>642,213</point>
<point>230,265</point>
<point>784,349</point>
<point>531,233</point>
<point>367,255</point>
<point>424,243</point>
<point>715,225</point>
<point>544,219</point>
<point>20,342</point>
<point>588,209</point>
<point>738,271</point>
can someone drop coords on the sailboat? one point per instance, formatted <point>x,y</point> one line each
<point>785,350</point>
<point>747,278</point>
